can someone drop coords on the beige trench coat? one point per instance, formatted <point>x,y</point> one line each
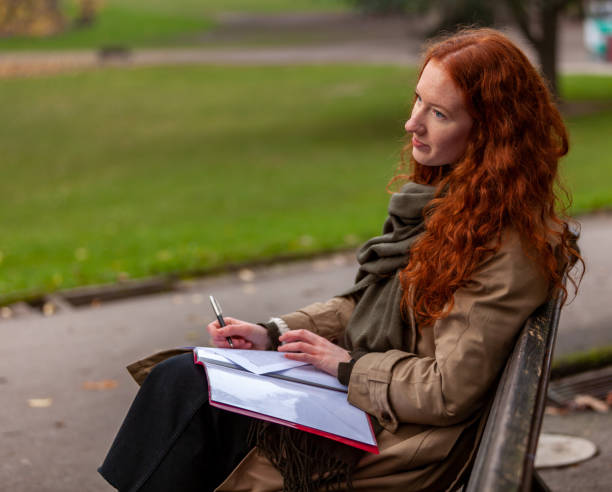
<point>430,399</point>
<point>426,398</point>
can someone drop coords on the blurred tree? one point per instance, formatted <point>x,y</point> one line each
<point>539,22</point>
<point>389,6</point>
<point>87,13</point>
<point>30,17</point>
<point>465,13</point>
<point>537,19</point>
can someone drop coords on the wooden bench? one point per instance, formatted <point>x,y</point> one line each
<point>506,453</point>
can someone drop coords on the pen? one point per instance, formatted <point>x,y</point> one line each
<point>219,315</point>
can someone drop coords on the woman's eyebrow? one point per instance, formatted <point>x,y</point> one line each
<point>443,108</point>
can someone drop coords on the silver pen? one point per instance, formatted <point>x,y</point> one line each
<point>219,315</point>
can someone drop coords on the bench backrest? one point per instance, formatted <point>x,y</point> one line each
<point>505,457</point>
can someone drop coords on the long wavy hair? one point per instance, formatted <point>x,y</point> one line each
<point>507,176</point>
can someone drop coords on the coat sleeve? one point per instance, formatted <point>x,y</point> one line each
<point>328,319</point>
<point>472,344</point>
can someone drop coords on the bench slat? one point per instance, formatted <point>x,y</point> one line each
<point>505,457</point>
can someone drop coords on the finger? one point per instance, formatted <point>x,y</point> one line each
<point>213,326</point>
<point>241,330</point>
<point>220,342</point>
<point>306,335</point>
<point>237,340</point>
<point>237,343</point>
<point>303,347</point>
<point>241,343</point>
<point>301,357</point>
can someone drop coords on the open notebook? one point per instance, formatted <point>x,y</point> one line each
<point>268,386</point>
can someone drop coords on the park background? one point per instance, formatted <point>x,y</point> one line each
<point>119,172</point>
<point>150,144</point>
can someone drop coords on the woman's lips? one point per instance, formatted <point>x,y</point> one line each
<point>418,144</point>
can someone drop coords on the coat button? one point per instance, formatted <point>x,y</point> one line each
<point>385,416</point>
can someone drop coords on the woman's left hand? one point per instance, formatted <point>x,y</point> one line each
<point>306,346</point>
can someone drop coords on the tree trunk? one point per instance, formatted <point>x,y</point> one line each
<point>87,13</point>
<point>547,46</point>
<point>544,16</point>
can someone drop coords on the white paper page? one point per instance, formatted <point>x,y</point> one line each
<point>313,407</point>
<point>257,361</point>
<point>307,373</point>
<point>205,354</point>
<point>312,374</point>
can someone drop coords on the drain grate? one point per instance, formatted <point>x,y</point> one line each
<point>597,383</point>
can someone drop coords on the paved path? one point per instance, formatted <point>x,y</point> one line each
<point>284,40</point>
<point>57,448</point>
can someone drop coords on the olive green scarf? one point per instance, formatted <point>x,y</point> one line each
<point>383,255</point>
<point>377,323</point>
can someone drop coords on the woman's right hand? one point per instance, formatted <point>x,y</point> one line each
<point>244,335</point>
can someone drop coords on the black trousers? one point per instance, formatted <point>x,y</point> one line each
<point>171,438</point>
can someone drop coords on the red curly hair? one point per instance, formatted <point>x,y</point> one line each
<point>505,178</point>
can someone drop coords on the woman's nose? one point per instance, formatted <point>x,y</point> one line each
<point>415,123</point>
<point>414,126</point>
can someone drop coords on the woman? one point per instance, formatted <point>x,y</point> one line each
<point>472,246</point>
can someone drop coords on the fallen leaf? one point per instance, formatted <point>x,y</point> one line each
<point>588,401</point>
<point>339,260</point>
<point>246,275</point>
<point>40,402</point>
<point>6,312</point>
<point>48,309</point>
<point>104,384</point>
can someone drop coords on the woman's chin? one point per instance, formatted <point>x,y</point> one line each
<point>422,158</point>
<point>426,162</point>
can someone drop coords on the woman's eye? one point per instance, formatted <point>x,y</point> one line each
<point>437,114</point>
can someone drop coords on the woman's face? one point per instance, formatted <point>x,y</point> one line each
<point>440,123</point>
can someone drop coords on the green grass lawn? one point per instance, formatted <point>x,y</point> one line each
<point>115,173</point>
<point>587,170</point>
<point>147,23</point>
